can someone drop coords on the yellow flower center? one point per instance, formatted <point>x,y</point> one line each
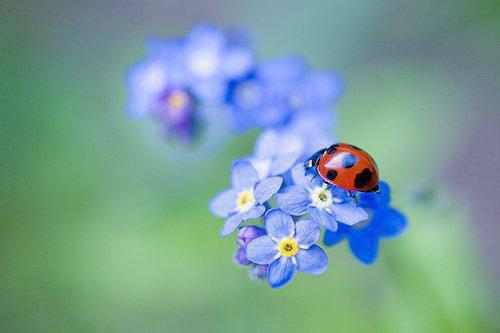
<point>245,201</point>
<point>288,247</point>
<point>178,99</point>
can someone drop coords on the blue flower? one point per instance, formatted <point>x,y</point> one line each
<point>261,98</point>
<point>385,222</point>
<point>276,152</point>
<point>326,206</point>
<point>287,247</point>
<point>245,200</point>
<point>212,59</point>
<point>279,89</point>
<point>157,88</point>
<point>317,91</point>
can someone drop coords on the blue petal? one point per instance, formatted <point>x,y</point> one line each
<point>205,36</point>
<point>331,238</point>
<point>267,188</point>
<point>307,232</point>
<point>266,144</point>
<point>299,175</point>
<point>280,272</point>
<point>349,213</point>
<point>262,166</point>
<point>323,218</point>
<point>284,70</point>
<point>223,203</point>
<point>390,223</point>
<point>312,260</point>
<point>293,199</point>
<point>237,61</point>
<point>253,213</point>
<point>376,200</point>
<point>243,175</point>
<point>278,224</point>
<point>231,224</point>
<point>327,87</point>
<point>145,81</point>
<point>341,194</point>
<point>261,250</point>
<point>284,162</point>
<point>364,246</point>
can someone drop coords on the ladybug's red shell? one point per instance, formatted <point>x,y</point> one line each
<point>349,167</point>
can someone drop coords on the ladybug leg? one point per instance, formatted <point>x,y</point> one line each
<point>352,196</point>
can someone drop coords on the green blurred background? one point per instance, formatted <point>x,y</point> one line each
<point>104,228</point>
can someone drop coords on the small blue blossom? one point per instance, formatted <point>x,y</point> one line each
<point>385,222</point>
<point>261,98</point>
<point>245,200</point>
<point>276,152</point>
<point>157,88</point>
<point>279,89</point>
<point>212,60</point>
<point>287,247</point>
<point>326,206</point>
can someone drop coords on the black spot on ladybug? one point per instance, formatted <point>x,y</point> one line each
<point>355,147</point>
<point>332,149</point>
<point>363,178</point>
<point>331,174</point>
<point>348,160</point>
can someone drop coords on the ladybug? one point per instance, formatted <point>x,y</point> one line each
<point>345,166</point>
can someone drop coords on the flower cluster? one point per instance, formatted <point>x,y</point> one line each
<point>186,82</point>
<point>285,209</point>
<point>295,207</point>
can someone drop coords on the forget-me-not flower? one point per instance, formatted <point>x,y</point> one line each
<point>327,206</point>
<point>245,200</point>
<point>385,222</point>
<point>287,247</point>
<point>262,98</point>
<point>276,152</point>
<point>157,86</point>
<point>212,59</point>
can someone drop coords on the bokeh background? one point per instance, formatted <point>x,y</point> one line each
<point>105,228</point>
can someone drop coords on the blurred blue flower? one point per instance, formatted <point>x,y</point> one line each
<point>212,60</point>
<point>245,235</point>
<point>384,222</point>
<point>278,89</point>
<point>287,247</point>
<point>157,87</point>
<point>180,77</point>
<point>326,206</point>
<point>245,200</point>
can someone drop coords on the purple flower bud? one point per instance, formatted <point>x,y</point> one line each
<point>240,258</point>
<point>248,233</point>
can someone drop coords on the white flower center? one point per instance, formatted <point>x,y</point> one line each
<point>203,64</point>
<point>321,197</point>
<point>245,201</point>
